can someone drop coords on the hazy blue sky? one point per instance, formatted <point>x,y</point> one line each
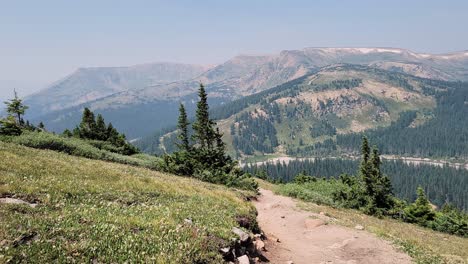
<point>42,41</point>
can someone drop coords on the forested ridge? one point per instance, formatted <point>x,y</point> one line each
<point>443,135</point>
<point>440,132</point>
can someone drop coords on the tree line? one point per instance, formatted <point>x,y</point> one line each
<point>95,128</point>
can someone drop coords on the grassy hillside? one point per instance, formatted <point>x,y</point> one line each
<point>92,149</point>
<point>108,212</point>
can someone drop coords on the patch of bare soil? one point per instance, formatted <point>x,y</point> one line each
<point>304,237</point>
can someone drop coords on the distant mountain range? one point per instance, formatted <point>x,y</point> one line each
<point>326,113</point>
<point>141,99</point>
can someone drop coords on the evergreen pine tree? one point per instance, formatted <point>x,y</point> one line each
<point>13,123</point>
<point>76,132</point>
<point>101,128</point>
<point>16,108</point>
<point>378,187</point>
<point>67,133</point>
<point>9,126</point>
<point>203,125</point>
<point>183,129</point>
<point>112,134</point>
<point>420,211</point>
<point>365,168</point>
<point>88,125</point>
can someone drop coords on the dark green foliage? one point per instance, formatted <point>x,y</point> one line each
<point>16,108</point>
<point>95,129</point>
<point>322,128</point>
<point>340,84</point>
<point>183,125</point>
<point>370,190</point>
<point>203,125</point>
<point>101,128</point>
<point>206,159</point>
<point>451,220</point>
<point>9,126</point>
<point>87,126</point>
<point>83,148</point>
<point>303,178</point>
<point>254,134</point>
<point>420,211</point>
<point>67,133</point>
<point>41,126</point>
<point>13,124</point>
<point>445,134</point>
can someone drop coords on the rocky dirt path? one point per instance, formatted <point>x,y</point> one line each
<point>305,237</point>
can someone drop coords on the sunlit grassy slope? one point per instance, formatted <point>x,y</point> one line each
<point>90,210</point>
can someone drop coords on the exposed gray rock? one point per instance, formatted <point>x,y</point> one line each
<point>243,236</point>
<point>16,201</point>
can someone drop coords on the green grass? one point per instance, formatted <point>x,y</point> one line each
<point>81,148</point>
<point>91,210</point>
<point>319,192</point>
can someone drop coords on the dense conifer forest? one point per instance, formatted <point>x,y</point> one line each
<point>445,134</point>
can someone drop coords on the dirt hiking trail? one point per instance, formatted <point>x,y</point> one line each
<point>306,238</point>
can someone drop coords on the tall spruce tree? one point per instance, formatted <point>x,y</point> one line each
<point>365,166</point>
<point>112,134</point>
<point>379,187</point>
<point>203,125</point>
<point>87,126</point>
<point>101,128</point>
<point>182,125</point>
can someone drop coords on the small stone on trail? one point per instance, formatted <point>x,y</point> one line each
<point>289,262</point>
<point>359,227</point>
<point>260,245</point>
<point>313,223</point>
<point>322,213</point>
<point>282,216</point>
<point>243,259</point>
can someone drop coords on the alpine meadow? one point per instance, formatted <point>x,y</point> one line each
<point>234,132</point>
